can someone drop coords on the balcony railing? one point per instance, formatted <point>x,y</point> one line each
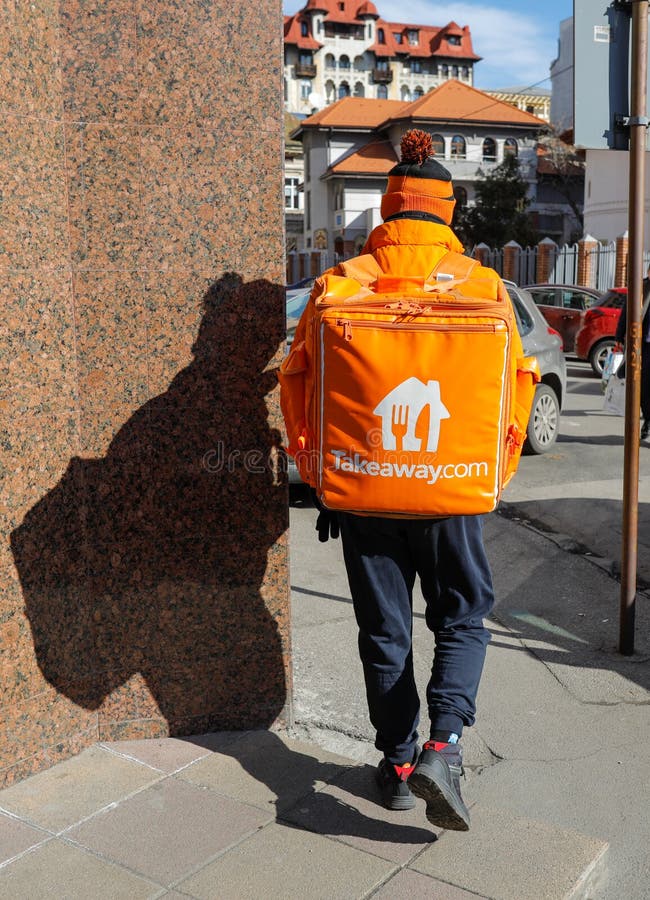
<point>305,70</point>
<point>382,76</point>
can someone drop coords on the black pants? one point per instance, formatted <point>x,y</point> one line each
<point>382,558</point>
<point>645,381</point>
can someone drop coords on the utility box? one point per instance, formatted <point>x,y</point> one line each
<point>602,53</point>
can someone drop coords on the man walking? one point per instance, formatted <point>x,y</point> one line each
<point>645,352</point>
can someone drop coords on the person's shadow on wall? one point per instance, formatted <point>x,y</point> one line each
<point>155,558</point>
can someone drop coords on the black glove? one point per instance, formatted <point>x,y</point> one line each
<point>327,523</point>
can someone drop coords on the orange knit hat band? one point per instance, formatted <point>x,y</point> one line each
<point>427,195</point>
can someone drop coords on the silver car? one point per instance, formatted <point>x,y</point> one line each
<point>544,342</point>
<point>539,340</point>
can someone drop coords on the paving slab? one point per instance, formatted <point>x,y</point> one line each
<point>351,811</point>
<point>75,789</point>
<point>59,871</point>
<point>266,769</point>
<point>17,836</point>
<point>410,885</point>
<point>508,857</point>
<point>169,830</point>
<point>284,863</point>
<point>166,755</point>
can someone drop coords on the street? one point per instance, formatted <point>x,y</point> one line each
<point>575,491</point>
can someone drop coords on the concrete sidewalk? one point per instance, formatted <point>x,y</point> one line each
<point>557,768</point>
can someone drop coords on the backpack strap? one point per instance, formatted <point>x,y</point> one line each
<point>365,269</point>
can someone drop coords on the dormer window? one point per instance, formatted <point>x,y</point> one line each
<point>342,7</point>
<point>398,37</point>
<point>381,37</point>
<point>413,36</point>
<point>304,29</point>
<point>453,39</point>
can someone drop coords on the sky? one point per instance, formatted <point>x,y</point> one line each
<point>518,41</point>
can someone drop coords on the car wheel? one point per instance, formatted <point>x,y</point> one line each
<point>544,421</point>
<point>598,355</point>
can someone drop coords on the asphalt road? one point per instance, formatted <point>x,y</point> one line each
<point>575,491</point>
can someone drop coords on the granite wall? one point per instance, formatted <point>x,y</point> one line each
<point>143,564</point>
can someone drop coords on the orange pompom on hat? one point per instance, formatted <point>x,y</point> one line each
<point>418,183</point>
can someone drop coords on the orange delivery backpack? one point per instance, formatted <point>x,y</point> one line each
<point>409,396</point>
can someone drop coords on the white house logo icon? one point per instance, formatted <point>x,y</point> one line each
<point>400,410</point>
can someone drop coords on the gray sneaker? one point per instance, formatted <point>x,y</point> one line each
<point>436,780</point>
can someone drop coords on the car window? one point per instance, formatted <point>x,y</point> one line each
<point>545,298</point>
<point>524,319</point>
<point>613,300</point>
<point>573,300</point>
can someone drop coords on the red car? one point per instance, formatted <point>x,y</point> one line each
<point>596,334</point>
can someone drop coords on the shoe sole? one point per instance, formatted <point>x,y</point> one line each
<point>444,809</point>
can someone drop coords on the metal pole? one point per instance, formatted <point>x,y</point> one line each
<point>638,127</point>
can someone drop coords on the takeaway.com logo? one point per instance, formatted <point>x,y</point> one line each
<point>399,412</point>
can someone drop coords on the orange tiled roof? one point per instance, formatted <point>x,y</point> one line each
<point>355,112</point>
<point>431,41</point>
<point>374,158</point>
<point>456,101</point>
<point>293,33</point>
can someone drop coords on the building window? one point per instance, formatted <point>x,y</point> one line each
<point>453,39</point>
<point>359,90</point>
<point>286,89</point>
<point>344,90</point>
<point>489,150</point>
<point>434,68</point>
<point>381,37</point>
<point>461,195</point>
<point>305,90</point>
<point>330,91</point>
<point>458,150</point>
<point>454,71</point>
<point>382,92</point>
<point>291,193</point>
<point>330,62</point>
<point>344,62</point>
<point>465,71</point>
<point>510,147</point>
<point>413,37</point>
<point>418,92</point>
<point>398,37</point>
<point>359,64</point>
<point>416,65</point>
<point>530,109</point>
<point>304,29</point>
<point>305,58</point>
<point>445,70</point>
<point>438,145</point>
<point>382,65</point>
<point>405,93</point>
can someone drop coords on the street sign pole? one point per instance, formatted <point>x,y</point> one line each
<point>638,124</point>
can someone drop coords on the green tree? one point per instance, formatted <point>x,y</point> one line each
<point>500,213</point>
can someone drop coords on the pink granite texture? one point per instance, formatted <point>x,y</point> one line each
<point>143,553</point>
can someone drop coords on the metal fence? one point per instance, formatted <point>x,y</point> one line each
<point>564,264</point>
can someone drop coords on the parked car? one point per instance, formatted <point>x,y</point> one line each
<point>595,337</point>
<point>563,305</point>
<point>542,341</point>
<point>538,338</point>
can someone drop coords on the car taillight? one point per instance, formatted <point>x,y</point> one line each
<point>557,335</point>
